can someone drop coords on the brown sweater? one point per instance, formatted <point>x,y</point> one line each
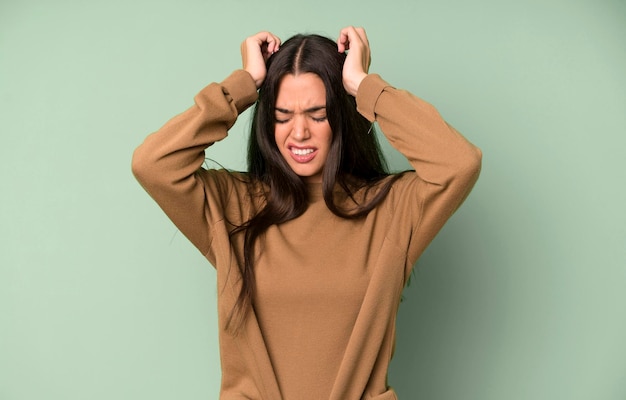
<point>328,289</point>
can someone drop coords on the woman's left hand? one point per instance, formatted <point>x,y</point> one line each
<point>358,57</point>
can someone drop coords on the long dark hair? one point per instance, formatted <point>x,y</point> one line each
<point>354,162</point>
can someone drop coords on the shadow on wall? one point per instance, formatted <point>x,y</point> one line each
<point>453,319</point>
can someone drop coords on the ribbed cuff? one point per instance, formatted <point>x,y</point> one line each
<point>241,87</point>
<point>367,96</point>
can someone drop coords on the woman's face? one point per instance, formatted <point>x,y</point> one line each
<point>302,131</point>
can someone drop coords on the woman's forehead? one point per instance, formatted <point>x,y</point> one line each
<point>301,92</point>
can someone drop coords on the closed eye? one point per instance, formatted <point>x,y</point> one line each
<point>316,113</point>
<point>316,119</point>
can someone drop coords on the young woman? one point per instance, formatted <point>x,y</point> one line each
<point>314,244</point>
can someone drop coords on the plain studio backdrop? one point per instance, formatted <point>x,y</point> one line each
<point>521,296</point>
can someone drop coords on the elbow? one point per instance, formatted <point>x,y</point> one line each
<point>141,166</point>
<point>467,177</point>
<point>471,166</point>
<point>477,161</point>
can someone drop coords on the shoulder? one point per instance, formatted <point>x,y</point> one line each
<point>409,184</point>
<point>386,194</point>
<point>232,188</point>
<point>225,176</point>
<point>406,191</point>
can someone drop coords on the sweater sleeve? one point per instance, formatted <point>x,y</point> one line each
<point>168,163</point>
<point>446,164</point>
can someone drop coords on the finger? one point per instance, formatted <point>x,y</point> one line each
<point>358,40</point>
<point>269,41</point>
<point>265,39</point>
<point>343,41</point>
<point>350,37</point>
<point>362,35</point>
<point>363,38</point>
<point>273,44</point>
<point>264,42</point>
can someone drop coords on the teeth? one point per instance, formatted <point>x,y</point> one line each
<point>301,152</point>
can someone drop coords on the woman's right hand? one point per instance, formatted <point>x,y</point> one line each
<point>255,51</point>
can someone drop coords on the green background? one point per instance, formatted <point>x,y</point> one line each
<point>521,296</point>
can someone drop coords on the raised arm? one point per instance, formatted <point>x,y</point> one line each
<point>168,163</point>
<point>446,164</point>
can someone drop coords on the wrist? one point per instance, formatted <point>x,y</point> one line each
<point>242,89</point>
<point>352,85</point>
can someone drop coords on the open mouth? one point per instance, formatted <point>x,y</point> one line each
<point>301,152</point>
<point>302,155</point>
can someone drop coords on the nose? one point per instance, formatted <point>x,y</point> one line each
<point>300,128</point>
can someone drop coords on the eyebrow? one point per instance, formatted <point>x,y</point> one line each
<point>308,110</point>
